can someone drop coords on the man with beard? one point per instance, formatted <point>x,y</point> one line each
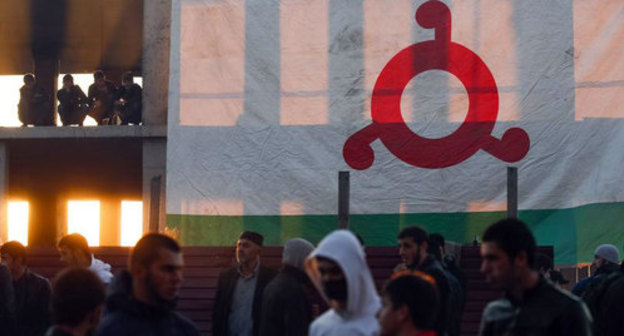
<point>31,292</point>
<point>238,303</point>
<point>532,305</point>
<point>141,302</point>
<point>77,299</point>
<point>338,269</point>
<point>413,246</point>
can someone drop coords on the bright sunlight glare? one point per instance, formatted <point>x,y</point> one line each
<point>131,222</point>
<point>83,217</point>
<point>18,221</point>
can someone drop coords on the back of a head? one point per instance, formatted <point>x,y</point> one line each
<point>418,294</point>
<point>608,252</point>
<point>295,252</point>
<point>75,242</point>
<point>76,292</point>
<point>98,74</point>
<point>418,234</point>
<point>512,236</point>
<point>146,249</point>
<point>15,249</point>
<point>543,261</point>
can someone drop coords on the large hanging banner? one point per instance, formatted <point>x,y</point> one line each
<point>426,103</point>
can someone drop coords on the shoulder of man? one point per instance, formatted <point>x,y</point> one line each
<point>185,325</point>
<point>39,280</point>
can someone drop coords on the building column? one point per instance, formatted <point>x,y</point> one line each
<point>4,191</point>
<point>43,223</point>
<point>155,63</point>
<point>154,165</point>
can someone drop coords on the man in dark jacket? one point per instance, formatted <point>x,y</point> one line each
<point>34,107</point>
<point>238,303</point>
<point>129,100</point>
<point>73,102</point>
<point>141,302</point>
<point>286,307</point>
<point>413,246</point>
<point>31,292</point>
<point>102,95</point>
<point>609,321</point>
<point>606,259</point>
<point>532,305</point>
<point>76,303</point>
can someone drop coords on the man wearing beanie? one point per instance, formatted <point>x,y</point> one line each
<point>237,307</point>
<point>286,308</point>
<point>606,259</point>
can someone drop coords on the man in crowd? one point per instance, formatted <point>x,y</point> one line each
<point>286,306</point>
<point>410,304</point>
<point>238,304</point>
<point>129,100</point>
<point>413,246</point>
<point>102,96</point>
<point>338,268</point>
<point>77,300</point>
<point>532,305</point>
<point>608,318</point>
<point>34,107</point>
<point>31,293</point>
<point>73,102</point>
<point>606,259</point>
<point>74,251</point>
<point>141,302</point>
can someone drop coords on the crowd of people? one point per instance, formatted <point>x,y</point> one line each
<point>106,103</point>
<point>319,291</point>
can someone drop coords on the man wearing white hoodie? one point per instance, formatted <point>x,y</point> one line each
<point>338,268</point>
<point>74,251</point>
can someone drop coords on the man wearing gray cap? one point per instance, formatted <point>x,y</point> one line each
<point>286,308</point>
<point>606,259</point>
<point>238,303</point>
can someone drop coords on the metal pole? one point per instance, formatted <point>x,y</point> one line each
<point>343,200</point>
<point>512,192</point>
<point>154,214</point>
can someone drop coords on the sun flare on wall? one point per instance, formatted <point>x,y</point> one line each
<point>131,222</point>
<point>83,217</point>
<point>18,221</point>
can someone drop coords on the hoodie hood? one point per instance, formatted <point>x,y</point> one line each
<point>102,270</point>
<point>342,247</point>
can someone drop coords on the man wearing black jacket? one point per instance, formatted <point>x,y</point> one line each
<point>532,305</point>
<point>141,302</point>
<point>238,304</point>
<point>286,304</point>
<point>413,246</point>
<point>31,293</point>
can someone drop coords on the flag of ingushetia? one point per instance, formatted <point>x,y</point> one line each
<point>426,103</point>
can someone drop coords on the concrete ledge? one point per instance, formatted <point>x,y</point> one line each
<point>53,132</point>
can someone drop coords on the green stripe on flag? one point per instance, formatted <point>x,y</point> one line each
<point>574,232</point>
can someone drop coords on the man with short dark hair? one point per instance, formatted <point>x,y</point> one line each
<point>31,292</point>
<point>141,301</point>
<point>410,304</point>
<point>74,251</point>
<point>238,304</point>
<point>532,305</point>
<point>129,101</point>
<point>34,107</point>
<point>413,246</point>
<point>102,95</point>
<point>77,299</point>
<point>73,102</point>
